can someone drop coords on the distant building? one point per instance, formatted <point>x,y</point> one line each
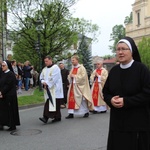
<point>74,49</point>
<point>140,27</point>
<point>9,44</point>
<point>109,63</point>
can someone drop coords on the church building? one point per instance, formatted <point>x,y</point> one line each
<point>140,26</point>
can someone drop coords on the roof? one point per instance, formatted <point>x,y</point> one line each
<point>110,60</point>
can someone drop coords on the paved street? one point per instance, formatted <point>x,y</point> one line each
<point>75,134</point>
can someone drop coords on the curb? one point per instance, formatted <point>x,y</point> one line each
<point>30,106</point>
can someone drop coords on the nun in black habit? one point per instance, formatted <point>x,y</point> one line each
<point>9,115</point>
<point>127,92</point>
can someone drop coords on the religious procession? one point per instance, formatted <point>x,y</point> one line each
<point>62,89</point>
<point>124,91</point>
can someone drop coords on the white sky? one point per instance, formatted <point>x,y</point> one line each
<point>106,14</point>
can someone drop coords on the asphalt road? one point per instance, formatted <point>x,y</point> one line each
<point>73,134</point>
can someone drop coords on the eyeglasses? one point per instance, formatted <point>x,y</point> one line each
<point>3,65</point>
<point>122,49</point>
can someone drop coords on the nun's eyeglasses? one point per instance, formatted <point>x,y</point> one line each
<point>3,65</point>
<point>122,49</point>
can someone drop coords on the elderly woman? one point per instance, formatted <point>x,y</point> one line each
<point>127,92</point>
<point>9,115</point>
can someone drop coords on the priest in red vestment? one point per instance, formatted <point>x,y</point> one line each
<point>98,78</point>
<point>79,95</point>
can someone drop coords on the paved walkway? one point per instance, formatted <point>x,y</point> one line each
<point>26,93</point>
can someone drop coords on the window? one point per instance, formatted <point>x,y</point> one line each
<point>138,18</point>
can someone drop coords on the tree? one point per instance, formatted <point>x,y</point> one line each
<point>55,33</point>
<point>128,19</point>
<point>84,53</point>
<point>85,27</point>
<point>3,22</point>
<point>58,33</point>
<point>144,50</point>
<point>108,56</point>
<point>118,32</point>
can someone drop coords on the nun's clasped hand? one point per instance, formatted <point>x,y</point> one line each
<point>117,102</point>
<point>1,96</point>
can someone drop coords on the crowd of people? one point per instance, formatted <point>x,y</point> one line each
<point>125,90</point>
<point>13,78</point>
<point>25,73</point>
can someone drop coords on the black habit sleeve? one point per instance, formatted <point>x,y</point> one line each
<point>10,81</point>
<point>107,94</point>
<point>142,98</point>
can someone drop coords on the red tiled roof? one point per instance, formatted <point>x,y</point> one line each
<point>111,60</point>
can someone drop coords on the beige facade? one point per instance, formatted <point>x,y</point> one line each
<point>140,27</point>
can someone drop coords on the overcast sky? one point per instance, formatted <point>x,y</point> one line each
<point>106,14</point>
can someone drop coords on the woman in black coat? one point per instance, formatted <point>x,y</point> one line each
<point>9,115</point>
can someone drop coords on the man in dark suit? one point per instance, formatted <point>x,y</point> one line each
<point>64,74</point>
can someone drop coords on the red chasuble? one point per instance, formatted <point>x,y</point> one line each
<point>71,102</point>
<point>96,89</point>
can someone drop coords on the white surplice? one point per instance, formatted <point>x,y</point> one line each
<point>52,77</point>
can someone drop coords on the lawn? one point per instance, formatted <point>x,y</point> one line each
<point>36,98</point>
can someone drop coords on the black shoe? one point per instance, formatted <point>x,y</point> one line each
<point>56,120</point>
<point>103,111</point>
<point>1,127</point>
<point>94,112</point>
<point>70,116</point>
<point>11,129</point>
<point>43,120</point>
<point>86,115</point>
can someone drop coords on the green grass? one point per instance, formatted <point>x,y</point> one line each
<point>36,98</point>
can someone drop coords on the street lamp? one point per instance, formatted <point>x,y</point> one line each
<point>38,25</point>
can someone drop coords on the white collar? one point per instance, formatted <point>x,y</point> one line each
<point>127,65</point>
<point>77,66</point>
<point>6,71</point>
